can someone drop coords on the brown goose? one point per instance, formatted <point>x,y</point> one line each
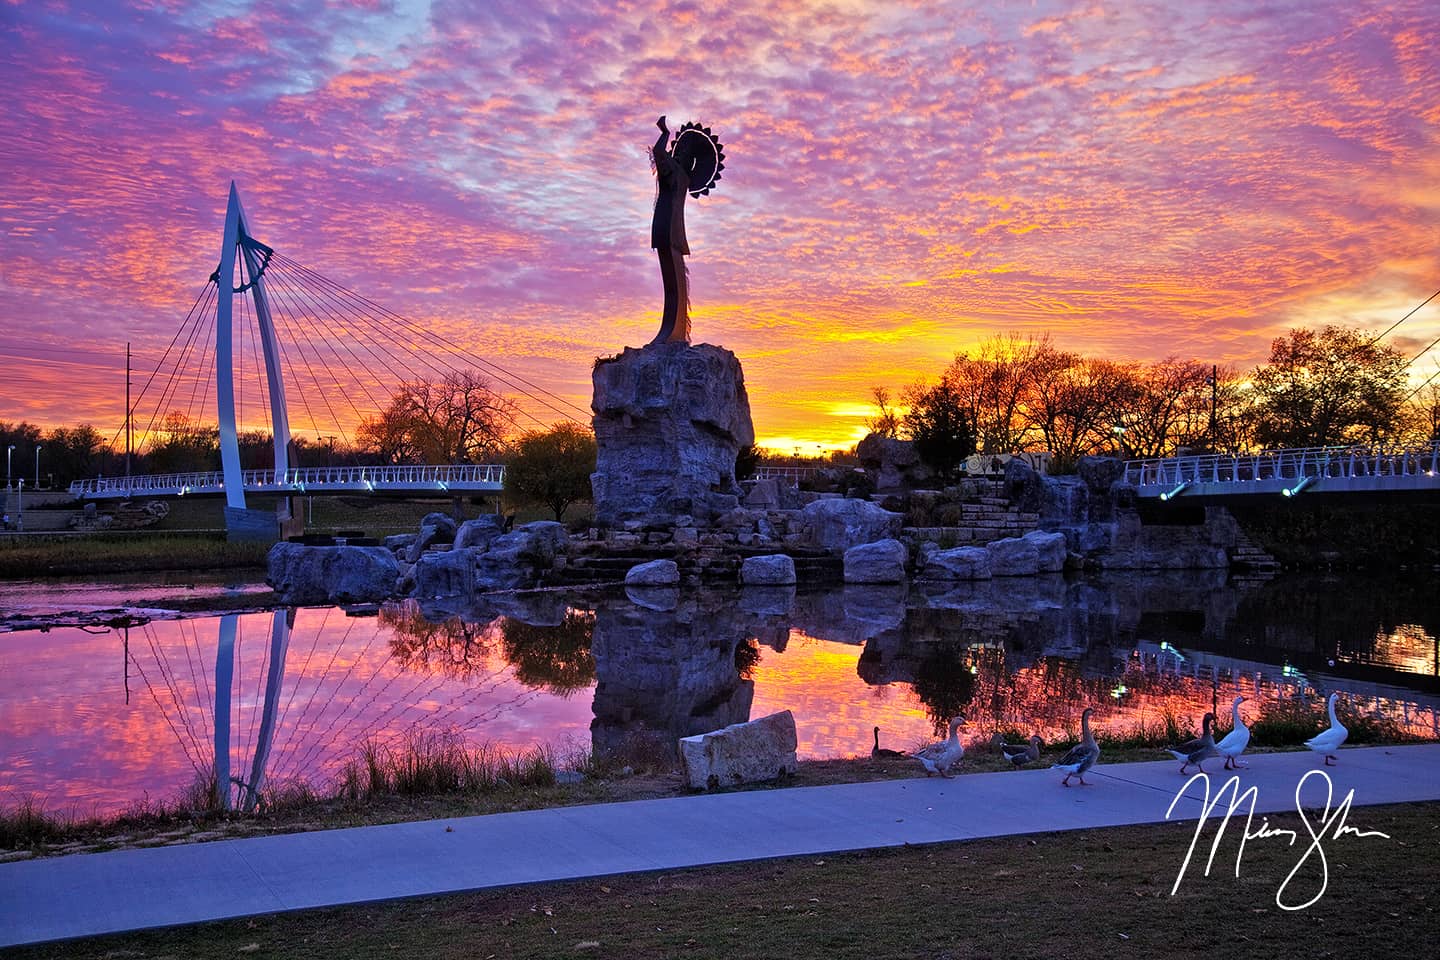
<point>1197,751</point>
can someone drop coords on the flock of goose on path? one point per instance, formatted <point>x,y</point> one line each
<point>942,756</point>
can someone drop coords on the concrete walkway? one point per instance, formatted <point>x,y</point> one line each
<point>84,895</point>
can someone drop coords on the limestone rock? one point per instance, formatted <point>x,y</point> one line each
<point>656,573</point>
<point>400,543</point>
<point>301,574</point>
<point>518,558</point>
<point>450,573</point>
<point>479,532</point>
<point>839,524</point>
<point>669,421</point>
<point>1050,550</point>
<point>961,563</point>
<point>434,528</point>
<point>763,495</point>
<point>892,464</point>
<point>751,752</point>
<point>1013,557</point>
<point>774,570</point>
<point>880,562</point>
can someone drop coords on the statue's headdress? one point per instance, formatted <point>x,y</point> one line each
<point>704,147</point>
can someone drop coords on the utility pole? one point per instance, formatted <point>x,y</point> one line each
<point>127,416</point>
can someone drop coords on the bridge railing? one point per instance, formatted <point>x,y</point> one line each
<point>1317,463</point>
<point>792,474</point>
<point>414,477</point>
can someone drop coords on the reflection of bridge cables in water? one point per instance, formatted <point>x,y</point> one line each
<point>167,674</point>
<point>180,737</point>
<point>299,762</point>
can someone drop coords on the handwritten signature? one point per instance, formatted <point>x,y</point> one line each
<point>1331,826</point>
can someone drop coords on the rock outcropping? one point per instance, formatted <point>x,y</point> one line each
<point>669,421</point>
<point>302,574</point>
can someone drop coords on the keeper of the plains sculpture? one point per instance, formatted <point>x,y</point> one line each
<point>690,165</point>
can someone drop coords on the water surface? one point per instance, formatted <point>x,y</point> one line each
<point>97,719</point>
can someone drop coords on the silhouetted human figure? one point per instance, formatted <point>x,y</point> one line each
<point>667,234</point>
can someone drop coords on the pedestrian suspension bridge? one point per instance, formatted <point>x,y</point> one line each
<point>270,342</point>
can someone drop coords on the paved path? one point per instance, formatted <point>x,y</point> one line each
<point>89,894</point>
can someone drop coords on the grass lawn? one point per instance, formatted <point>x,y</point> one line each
<point>1093,893</point>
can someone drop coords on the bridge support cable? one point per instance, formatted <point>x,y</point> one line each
<point>301,306</point>
<point>202,304</point>
<point>413,331</point>
<point>169,387</point>
<point>294,330</point>
<point>346,327</point>
<point>1415,310</point>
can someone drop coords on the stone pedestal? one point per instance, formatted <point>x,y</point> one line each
<point>669,421</point>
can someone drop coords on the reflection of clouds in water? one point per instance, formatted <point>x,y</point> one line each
<point>522,681</point>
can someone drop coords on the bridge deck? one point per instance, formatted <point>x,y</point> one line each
<point>1289,473</point>
<point>443,479</point>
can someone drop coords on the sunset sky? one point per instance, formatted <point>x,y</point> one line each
<point>903,180</point>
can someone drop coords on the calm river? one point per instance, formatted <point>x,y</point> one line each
<point>95,719</point>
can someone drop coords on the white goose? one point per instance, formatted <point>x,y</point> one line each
<point>1234,743</point>
<point>1328,741</point>
<point>940,756</point>
<point>1083,755</point>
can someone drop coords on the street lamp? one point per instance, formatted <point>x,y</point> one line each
<point>9,452</point>
<point>38,448</point>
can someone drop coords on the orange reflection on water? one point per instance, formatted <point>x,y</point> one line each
<point>835,713</point>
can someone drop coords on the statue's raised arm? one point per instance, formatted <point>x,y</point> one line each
<point>691,165</point>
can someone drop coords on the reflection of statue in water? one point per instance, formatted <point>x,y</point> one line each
<point>691,165</point>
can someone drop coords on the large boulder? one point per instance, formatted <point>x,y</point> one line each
<point>656,573</point>
<point>479,532</point>
<point>751,752</point>
<point>892,464</point>
<point>669,421</point>
<point>517,559</point>
<point>880,562</point>
<point>1013,557</point>
<point>960,563</point>
<point>449,573</point>
<point>838,524</point>
<point>1050,550</point>
<point>434,528</point>
<point>774,570</point>
<point>302,574</point>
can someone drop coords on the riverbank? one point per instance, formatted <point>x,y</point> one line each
<point>25,557</point>
<point>438,777</point>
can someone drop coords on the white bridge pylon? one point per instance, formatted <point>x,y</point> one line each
<point>239,242</point>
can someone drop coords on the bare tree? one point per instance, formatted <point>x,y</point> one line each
<point>461,419</point>
<point>1075,406</point>
<point>886,421</point>
<point>993,386</point>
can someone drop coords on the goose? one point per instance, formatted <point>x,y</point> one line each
<point>1083,755</point>
<point>1199,750</point>
<point>1022,753</point>
<point>1234,743</point>
<point>879,752</point>
<point>940,756</point>
<point>1328,741</point>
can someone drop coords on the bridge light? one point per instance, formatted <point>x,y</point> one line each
<point>1293,491</point>
<point>369,486</point>
<point>1179,488</point>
